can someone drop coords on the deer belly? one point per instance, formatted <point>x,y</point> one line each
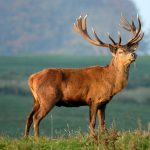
<point>71,103</point>
<point>73,97</point>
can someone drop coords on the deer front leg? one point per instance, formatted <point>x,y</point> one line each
<point>92,119</point>
<point>101,117</point>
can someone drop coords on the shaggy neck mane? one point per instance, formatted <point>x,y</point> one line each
<point>121,73</point>
<point>119,67</point>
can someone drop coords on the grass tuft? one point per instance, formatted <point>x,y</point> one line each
<point>112,139</point>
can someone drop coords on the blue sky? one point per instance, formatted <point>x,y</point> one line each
<point>144,10</point>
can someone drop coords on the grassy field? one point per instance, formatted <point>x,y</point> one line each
<point>127,111</point>
<point>112,140</point>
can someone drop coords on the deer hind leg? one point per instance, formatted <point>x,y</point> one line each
<point>29,121</point>
<point>47,102</point>
<point>42,112</point>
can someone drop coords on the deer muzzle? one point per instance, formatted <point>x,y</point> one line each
<point>132,56</point>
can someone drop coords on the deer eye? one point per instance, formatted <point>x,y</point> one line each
<point>120,52</point>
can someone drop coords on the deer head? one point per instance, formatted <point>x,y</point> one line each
<point>123,53</point>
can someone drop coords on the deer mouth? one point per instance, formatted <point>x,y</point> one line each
<point>133,58</point>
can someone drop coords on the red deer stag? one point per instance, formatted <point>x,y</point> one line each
<point>93,86</point>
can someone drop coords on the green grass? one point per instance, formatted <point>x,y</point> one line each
<point>135,140</point>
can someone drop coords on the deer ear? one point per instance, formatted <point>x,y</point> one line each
<point>133,47</point>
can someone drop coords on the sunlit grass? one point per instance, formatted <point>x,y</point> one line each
<point>109,140</point>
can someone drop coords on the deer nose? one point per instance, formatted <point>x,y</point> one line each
<point>133,55</point>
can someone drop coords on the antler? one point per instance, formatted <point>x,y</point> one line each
<point>137,35</point>
<point>80,27</point>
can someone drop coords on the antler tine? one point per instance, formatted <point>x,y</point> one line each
<point>96,37</point>
<point>139,28</point>
<point>133,26</point>
<point>119,39</point>
<point>80,27</point>
<point>126,25</point>
<point>139,38</point>
<point>79,23</point>
<point>84,23</point>
<point>111,39</point>
<point>137,35</point>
